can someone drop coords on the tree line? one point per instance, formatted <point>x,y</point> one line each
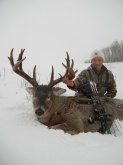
<point>113,53</point>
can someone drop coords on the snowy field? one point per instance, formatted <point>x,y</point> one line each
<point>25,141</point>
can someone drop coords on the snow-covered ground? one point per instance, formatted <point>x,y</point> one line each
<point>25,141</point>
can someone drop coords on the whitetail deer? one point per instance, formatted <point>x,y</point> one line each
<point>63,112</point>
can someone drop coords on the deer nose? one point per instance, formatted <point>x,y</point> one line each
<point>39,112</point>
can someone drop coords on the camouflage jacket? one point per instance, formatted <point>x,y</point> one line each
<point>104,80</point>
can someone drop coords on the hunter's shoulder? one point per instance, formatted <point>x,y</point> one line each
<point>85,71</point>
<point>106,69</point>
<point>109,72</point>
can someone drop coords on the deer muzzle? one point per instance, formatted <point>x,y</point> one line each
<point>39,112</point>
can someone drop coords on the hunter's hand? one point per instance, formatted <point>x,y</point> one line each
<point>67,81</point>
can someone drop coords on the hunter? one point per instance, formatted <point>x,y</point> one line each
<point>96,74</point>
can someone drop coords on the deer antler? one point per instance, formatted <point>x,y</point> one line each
<point>70,73</point>
<point>17,68</point>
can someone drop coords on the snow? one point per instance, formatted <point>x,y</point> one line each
<point>25,141</point>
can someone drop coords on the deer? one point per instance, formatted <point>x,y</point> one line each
<point>57,111</point>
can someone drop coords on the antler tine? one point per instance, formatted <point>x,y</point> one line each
<point>72,64</point>
<point>52,77</point>
<point>68,59</point>
<point>11,57</point>
<point>20,58</point>
<point>34,73</point>
<point>17,68</point>
<point>67,62</point>
<point>52,81</point>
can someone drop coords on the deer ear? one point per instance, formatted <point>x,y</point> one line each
<point>58,91</point>
<point>30,90</point>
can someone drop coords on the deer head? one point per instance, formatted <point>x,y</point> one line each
<point>43,95</point>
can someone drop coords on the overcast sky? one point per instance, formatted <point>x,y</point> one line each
<point>49,28</point>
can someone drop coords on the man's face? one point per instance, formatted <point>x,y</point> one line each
<point>97,62</point>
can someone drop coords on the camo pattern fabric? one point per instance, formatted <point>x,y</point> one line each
<point>104,89</point>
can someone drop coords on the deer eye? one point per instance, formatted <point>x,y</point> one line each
<point>48,97</point>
